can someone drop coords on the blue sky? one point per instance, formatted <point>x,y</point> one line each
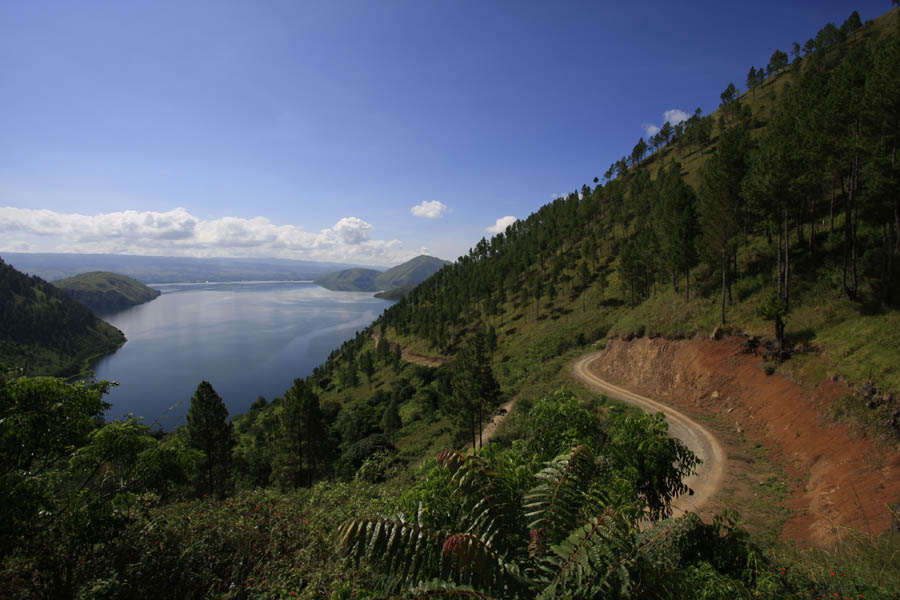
<point>363,132</point>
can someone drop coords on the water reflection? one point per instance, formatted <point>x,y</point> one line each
<point>248,339</point>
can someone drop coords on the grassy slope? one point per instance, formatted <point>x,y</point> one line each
<point>102,290</point>
<point>846,339</point>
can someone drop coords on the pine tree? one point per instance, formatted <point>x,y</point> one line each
<point>390,420</point>
<point>476,393</point>
<point>209,431</point>
<point>721,200</point>
<point>367,365</point>
<point>302,435</point>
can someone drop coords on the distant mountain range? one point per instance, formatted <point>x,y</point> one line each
<point>407,275</point>
<point>170,269</point>
<point>102,291</point>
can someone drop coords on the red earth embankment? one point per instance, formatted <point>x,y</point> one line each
<point>845,481</point>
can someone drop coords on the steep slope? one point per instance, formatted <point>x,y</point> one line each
<point>411,273</point>
<point>44,332</point>
<point>102,291</point>
<point>643,254</point>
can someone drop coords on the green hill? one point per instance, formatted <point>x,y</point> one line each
<point>350,280</point>
<point>103,291</point>
<point>44,332</point>
<point>409,274</point>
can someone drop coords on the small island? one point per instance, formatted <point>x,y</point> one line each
<point>102,291</point>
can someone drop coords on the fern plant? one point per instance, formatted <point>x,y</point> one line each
<point>561,540</point>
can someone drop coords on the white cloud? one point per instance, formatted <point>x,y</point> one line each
<point>352,231</point>
<point>501,224</point>
<point>178,233</point>
<point>675,116</point>
<point>429,209</point>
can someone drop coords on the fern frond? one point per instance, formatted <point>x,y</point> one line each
<point>554,504</point>
<point>477,564</point>
<point>409,555</point>
<point>491,512</point>
<point>450,459</point>
<point>592,560</point>
<point>444,589</point>
<point>406,552</point>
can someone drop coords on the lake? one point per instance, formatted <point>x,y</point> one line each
<point>248,339</point>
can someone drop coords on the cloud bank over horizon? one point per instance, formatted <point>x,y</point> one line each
<point>179,233</point>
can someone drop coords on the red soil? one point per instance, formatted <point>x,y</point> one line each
<point>846,481</point>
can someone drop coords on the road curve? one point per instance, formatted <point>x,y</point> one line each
<point>709,476</point>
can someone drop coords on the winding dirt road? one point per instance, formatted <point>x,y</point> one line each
<point>708,478</point>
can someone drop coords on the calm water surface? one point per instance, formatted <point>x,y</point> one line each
<point>247,339</point>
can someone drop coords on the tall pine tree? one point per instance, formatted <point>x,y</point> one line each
<point>209,431</point>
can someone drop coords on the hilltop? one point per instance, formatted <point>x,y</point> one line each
<point>102,291</point>
<point>407,275</point>
<point>45,332</point>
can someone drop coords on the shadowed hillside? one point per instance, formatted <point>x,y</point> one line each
<point>44,332</point>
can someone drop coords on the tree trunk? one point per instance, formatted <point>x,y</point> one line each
<point>724,277</point>
<point>787,261</point>
<point>854,256</point>
<point>896,200</point>
<point>729,279</point>
<point>888,268</point>
<point>831,226</point>
<point>779,273</point>
<point>849,289</point>
<point>812,230</point>
<point>779,332</point>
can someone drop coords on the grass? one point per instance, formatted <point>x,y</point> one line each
<point>854,559</point>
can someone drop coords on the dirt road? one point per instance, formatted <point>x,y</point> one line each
<point>708,478</point>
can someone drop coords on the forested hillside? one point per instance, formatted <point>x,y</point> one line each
<point>777,216</point>
<point>44,332</point>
